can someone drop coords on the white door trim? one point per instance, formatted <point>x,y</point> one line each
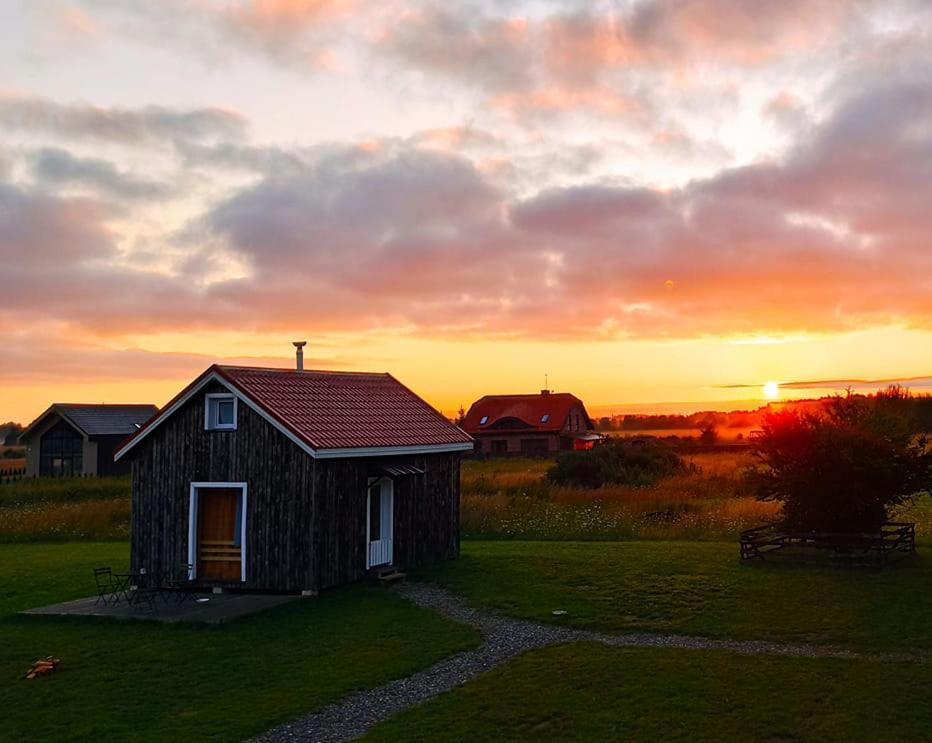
<point>192,524</point>
<point>383,548</point>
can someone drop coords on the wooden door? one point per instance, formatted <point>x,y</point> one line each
<point>219,551</point>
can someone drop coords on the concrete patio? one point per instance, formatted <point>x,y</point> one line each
<point>207,608</point>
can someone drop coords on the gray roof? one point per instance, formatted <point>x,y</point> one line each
<point>101,420</point>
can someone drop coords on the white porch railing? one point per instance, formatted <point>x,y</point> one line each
<point>380,552</point>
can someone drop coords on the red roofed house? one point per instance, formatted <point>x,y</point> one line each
<point>530,425</point>
<point>293,480</point>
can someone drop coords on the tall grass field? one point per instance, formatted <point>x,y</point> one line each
<point>501,499</point>
<point>512,499</point>
<point>62,509</point>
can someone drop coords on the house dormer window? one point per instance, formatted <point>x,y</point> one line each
<point>220,412</point>
<point>483,420</point>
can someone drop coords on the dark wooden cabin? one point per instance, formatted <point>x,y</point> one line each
<point>281,480</point>
<point>78,439</point>
<point>540,425</point>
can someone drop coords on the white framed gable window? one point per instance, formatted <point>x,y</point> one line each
<point>220,412</point>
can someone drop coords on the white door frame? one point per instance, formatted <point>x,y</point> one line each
<point>192,524</point>
<point>387,489</point>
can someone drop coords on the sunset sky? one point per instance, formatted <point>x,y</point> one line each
<point>651,202</point>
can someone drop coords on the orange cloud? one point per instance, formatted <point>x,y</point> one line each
<point>746,32</point>
<point>830,238</point>
<point>602,61</point>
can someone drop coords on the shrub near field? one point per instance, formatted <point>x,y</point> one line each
<point>618,462</point>
<point>42,509</point>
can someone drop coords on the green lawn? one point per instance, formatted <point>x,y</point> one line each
<point>147,681</point>
<point>592,692</point>
<point>698,588</point>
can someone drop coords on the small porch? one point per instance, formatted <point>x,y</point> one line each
<point>206,608</point>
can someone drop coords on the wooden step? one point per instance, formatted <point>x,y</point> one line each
<point>390,576</point>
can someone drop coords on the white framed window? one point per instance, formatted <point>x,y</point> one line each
<point>220,410</point>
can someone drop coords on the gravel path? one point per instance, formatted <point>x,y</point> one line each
<point>504,639</point>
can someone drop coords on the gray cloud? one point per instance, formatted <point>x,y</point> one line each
<point>240,157</point>
<point>351,201</point>
<point>461,43</point>
<point>147,125</point>
<point>37,231</point>
<point>56,167</point>
<point>620,60</point>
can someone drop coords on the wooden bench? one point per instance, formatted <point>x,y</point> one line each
<point>893,536</point>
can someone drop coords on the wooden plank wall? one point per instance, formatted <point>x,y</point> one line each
<point>340,521</point>
<point>426,517</point>
<point>427,512</point>
<point>280,481</point>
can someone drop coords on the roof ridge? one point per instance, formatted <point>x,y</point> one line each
<point>108,404</point>
<point>527,394</point>
<point>105,404</point>
<point>301,371</point>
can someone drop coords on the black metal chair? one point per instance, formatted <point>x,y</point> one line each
<point>142,589</point>
<point>182,585</point>
<point>103,577</point>
<point>144,596</point>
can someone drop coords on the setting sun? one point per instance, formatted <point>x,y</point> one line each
<point>771,390</point>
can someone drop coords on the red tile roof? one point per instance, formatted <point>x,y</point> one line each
<point>330,410</point>
<point>527,408</point>
<point>337,410</point>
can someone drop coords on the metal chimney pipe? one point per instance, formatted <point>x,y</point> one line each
<point>299,353</point>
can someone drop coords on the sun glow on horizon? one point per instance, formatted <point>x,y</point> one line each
<point>771,390</point>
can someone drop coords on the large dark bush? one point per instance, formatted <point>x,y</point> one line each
<point>617,462</point>
<point>843,469</point>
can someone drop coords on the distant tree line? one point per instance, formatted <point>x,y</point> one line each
<point>920,407</point>
<point>700,420</point>
<point>9,433</point>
